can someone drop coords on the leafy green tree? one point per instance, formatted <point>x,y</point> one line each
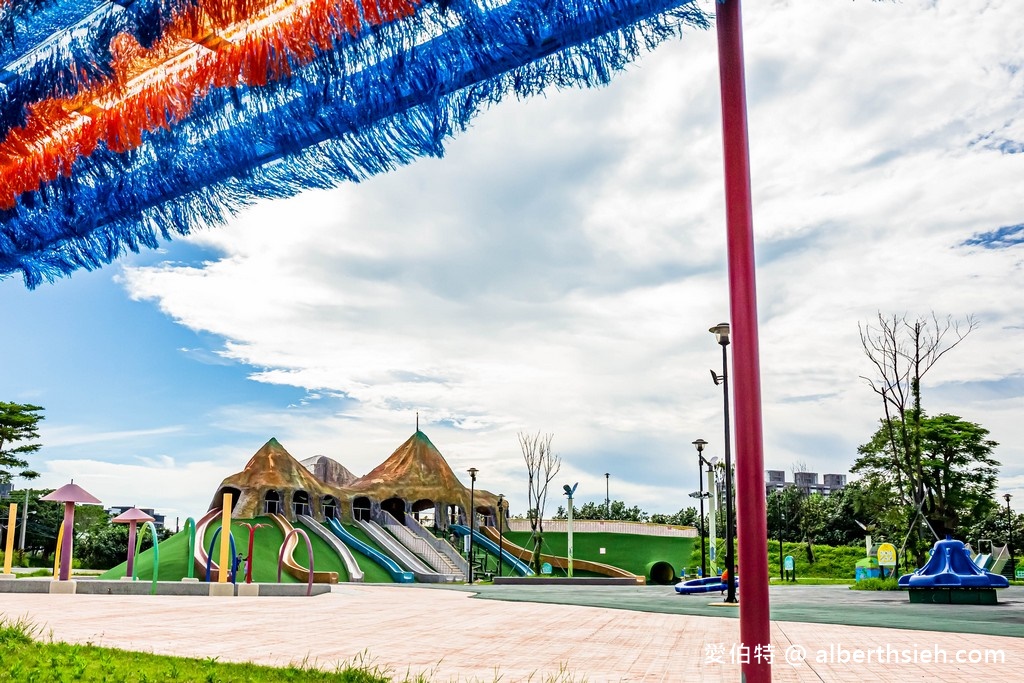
<point>45,517</point>
<point>997,527</point>
<point>616,512</point>
<point>19,422</point>
<point>955,479</point>
<point>902,352</point>
<point>105,544</point>
<point>685,517</point>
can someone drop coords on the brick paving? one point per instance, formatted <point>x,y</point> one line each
<point>450,636</point>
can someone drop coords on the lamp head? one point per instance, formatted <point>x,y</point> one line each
<point>700,444</point>
<point>721,332</point>
<point>472,473</point>
<point>1007,497</point>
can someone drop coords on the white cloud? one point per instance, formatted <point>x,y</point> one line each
<point>558,270</point>
<point>79,435</point>
<point>171,487</point>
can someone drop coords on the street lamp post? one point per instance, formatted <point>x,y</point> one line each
<point>501,538</point>
<point>1009,530</point>
<point>569,490</point>
<point>721,332</point>
<point>24,523</point>
<point>607,499</point>
<point>700,444</point>
<point>472,517</point>
<point>778,507</point>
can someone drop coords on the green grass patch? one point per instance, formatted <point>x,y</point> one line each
<point>27,659</point>
<point>876,585</point>
<point>34,575</point>
<point>810,581</point>
<point>830,562</point>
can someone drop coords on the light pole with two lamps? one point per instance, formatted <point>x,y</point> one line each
<point>700,444</point>
<point>472,516</point>
<point>501,536</point>
<point>607,498</point>
<point>781,517</point>
<point>721,332</point>
<point>1009,530</point>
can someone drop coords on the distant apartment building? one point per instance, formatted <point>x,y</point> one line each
<point>807,482</point>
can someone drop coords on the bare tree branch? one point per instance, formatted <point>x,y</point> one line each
<point>542,465</point>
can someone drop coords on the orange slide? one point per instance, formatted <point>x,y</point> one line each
<point>290,565</point>
<point>200,553</point>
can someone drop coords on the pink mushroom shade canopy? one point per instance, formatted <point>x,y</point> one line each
<point>133,515</point>
<point>71,493</point>
<point>132,518</point>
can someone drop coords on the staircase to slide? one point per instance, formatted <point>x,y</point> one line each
<point>402,555</point>
<point>490,546</point>
<point>422,547</point>
<point>351,566</point>
<point>442,546</point>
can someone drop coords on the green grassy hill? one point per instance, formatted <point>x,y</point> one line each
<point>631,552</point>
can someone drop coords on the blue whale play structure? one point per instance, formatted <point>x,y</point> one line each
<point>951,576</point>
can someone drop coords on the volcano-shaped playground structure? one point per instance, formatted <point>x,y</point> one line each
<point>405,521</point>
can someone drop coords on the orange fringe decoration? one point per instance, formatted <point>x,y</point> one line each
<point>156,88</point>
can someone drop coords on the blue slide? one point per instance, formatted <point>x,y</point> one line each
<point>396,572</point>
<point>492,547</point>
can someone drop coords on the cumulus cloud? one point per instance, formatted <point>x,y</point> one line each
<point>559,268</point>
<point>172,487</point>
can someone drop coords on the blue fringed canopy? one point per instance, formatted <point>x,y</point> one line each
<point>141,124</point>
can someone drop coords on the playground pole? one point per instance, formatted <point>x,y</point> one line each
<point>225,536</point>
<point>24,524</point>
<point>755,631</point>
<point>12,517</point>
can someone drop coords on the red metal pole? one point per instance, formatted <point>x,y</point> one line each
<point>130,570</point>
<point>755,626</point>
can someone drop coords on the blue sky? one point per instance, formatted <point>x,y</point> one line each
<point>558,271</point>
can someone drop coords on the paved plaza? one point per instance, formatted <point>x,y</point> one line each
<point>513,635</point>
